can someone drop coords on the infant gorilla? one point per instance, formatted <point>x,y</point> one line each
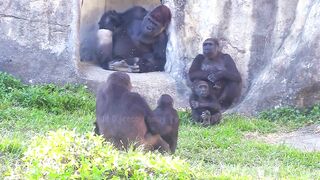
<point>166,121</point>
<point>204,104</point>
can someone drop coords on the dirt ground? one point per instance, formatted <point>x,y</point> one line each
<point>305,139</point>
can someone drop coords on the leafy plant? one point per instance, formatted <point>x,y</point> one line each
<point>68,155</point>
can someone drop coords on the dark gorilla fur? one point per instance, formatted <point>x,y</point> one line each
<point>123,117</point>
<point>204,105</point>
<point>139,39</point>
<point>111,20</point>
<point>229,78</point>
<point>166,122</point>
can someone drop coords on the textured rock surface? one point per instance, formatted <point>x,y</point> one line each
<point>274,43</point>
<point>38,39</point>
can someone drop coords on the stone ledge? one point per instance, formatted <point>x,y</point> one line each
<point>150,85</point>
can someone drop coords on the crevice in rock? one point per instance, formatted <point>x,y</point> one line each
<point>30,20</point>
<point>264,13</point>
<point>241,51</point>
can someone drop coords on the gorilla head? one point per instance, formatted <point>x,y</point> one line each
<point>156,21</point>
<point>201,88</point>
<point>210,47</point>
<point>165,101</point>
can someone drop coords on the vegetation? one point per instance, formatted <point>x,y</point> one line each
<point>46,132</point>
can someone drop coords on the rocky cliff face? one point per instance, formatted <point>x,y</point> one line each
<point>39,39</point>
<point>274,43</point>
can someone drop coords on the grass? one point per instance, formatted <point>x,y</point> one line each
<point>30,113</point>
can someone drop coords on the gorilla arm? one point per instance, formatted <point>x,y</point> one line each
<point>151,123</point>
<point>195,72</point>
<point>155,60</point>
<point>231,73</point>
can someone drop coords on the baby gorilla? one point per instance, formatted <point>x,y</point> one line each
<point>123,117</point>
<point>166,121</point>
<point>204,104</point>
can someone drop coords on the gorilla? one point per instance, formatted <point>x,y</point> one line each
<point>204,105</point>
<point>123,117</point>
<point>166,122</point>
<point>139,39</point>
<point>220,70</point>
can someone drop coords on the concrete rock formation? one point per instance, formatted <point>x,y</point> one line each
<point>275,45</point>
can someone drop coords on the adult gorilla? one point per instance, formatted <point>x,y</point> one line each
<point>123,117</point>
<point>139,40</point>
<point>220,70</point>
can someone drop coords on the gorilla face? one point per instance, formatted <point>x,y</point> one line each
<point>210,48</point>
<point>150,26</point>
<point>202,89</point>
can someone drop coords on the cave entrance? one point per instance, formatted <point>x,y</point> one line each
<point>91,11</point>
<point>150,85</point>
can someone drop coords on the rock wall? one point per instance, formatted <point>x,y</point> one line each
<point>39,39</point>
<point>274,43</point>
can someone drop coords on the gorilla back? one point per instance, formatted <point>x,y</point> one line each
<point>122,116</point>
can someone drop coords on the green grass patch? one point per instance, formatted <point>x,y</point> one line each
<point>33,146</point>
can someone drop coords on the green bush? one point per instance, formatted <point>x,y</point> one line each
<point>48,97</point>
<point>55,99</point>
<point>293,115</point>
<point>68,155</point>
<point>8,83</point>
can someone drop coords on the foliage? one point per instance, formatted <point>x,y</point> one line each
<point>8,83</point>
<point>293,116</point>
<point>49,97</point>
<point>68,155</point>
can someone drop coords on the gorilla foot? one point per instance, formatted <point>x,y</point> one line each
<point>123,66</point>
<point>134,69</point>
<point>119,66</point>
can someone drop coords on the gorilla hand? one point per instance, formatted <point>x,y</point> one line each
<point>213,77</point>
<point>194,104</point>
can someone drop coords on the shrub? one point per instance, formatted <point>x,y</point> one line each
<point>68,155</point>
<point>293,115</point>
<point>8,83</point>
<point>55,99</point>
<point>49,97</point>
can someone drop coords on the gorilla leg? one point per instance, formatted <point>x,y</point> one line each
<point>104,47</point>
<point>172,140</point>
<point>153,142</point>
<point>96,129</point>
<point>230,93</point>
<point>216,118</point>
<point>196,116</point>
